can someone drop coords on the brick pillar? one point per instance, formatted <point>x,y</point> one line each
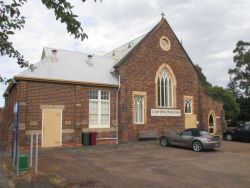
<point>78,114</point>
<point>22,100</point>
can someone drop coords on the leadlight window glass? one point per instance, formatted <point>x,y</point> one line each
<point>165,89</point>
<point>105,95</point>
<point>138,109</point>
<point>188,106</point>
<point>93,94</point>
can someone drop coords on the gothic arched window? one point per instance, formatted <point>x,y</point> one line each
<point>138,109</point>
<point>165,89</point>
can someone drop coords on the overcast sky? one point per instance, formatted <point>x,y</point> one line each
<point>208,29</point>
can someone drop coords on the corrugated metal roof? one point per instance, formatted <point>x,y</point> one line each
<point>78,67</point>
<point>72,66</point>
<point>123,50</point>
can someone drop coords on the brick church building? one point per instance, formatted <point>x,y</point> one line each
<point>149,83</point>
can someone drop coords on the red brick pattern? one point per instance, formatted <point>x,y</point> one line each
<point>8,117</point>
<point>31,95</point>
<point>137,73</point>
<point>207,104</point>
<point>1,114</point>
<point>1,125</point>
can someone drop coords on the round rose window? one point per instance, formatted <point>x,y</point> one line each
<point>165,43</point>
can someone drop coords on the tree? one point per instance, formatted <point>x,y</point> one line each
<point>230,106</point>
<point>202,78</point>
<point>240,75</point>
<point>233,87</point>
<point>12,20</point>
<point>244,108</point>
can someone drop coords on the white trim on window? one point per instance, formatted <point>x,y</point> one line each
<point>165,89</point>
<point>98,110</point>
<point>139,109</point>
<point>188,106</point>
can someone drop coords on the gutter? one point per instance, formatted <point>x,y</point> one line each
<point>7,91</point>
<point>117,105</point>
<point>50,80</point>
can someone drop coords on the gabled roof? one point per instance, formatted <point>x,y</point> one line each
<point>64,65</point>
<point>78,67</point>
<point>123,50</point>
<point>143,37</point>
<point>72,66</point>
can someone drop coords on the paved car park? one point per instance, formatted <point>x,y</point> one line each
<point>145,164</point>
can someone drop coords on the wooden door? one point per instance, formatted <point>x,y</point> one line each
<point>190,121</point>
<point>52,128</point>
<point>211,123</point>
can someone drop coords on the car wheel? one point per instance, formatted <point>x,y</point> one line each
<point>229,137</point>
<point>197,146</point>
<point>164,141</point>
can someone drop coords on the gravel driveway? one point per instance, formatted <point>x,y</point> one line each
<point>145,164</point>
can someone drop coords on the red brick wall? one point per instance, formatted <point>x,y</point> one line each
<point>138,74</point>
<point>1,115</point>
<point>8,116</point>
<point>31,95</point>
<point>207,105</point>
<point>1,125</point>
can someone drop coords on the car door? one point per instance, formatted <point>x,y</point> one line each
<point>176,139</point>
<point>243,133</point>
<point>186,138</point>
<point>237,134</point>
<point>246,132</point>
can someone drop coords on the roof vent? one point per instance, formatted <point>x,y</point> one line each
<point>53,56</point>
<point>89,59</point>
<point>54,51</point>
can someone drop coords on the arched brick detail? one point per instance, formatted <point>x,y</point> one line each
<point>211,112</point>
<point>170,71</point>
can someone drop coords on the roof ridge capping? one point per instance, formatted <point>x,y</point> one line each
<point>123,58</point>
<point>129,44</point>
<point>162,21</point>
<point>141,37</point>
<point>58,50</point>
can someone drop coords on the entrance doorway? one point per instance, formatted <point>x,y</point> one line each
<point>52,128</point>
<point>190,121</point>
<point>211,123</point>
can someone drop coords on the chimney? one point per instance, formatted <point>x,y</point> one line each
<point>54,51</point>
<point>89,59</point>
<point>54,58</point>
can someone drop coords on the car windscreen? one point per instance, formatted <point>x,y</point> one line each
<point>204,133</point>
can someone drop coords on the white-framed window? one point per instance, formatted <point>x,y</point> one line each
<point>99,109</point>
<point>165,89</point>
<point>188,106</point>
<point>138,109</point>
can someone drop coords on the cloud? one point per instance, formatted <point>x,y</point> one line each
<point>209,30</point>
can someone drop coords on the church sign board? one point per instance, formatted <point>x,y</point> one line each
<point>165,112</point>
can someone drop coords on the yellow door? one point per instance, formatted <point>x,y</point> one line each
<point>190,121</point>
<point>52,127</point>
